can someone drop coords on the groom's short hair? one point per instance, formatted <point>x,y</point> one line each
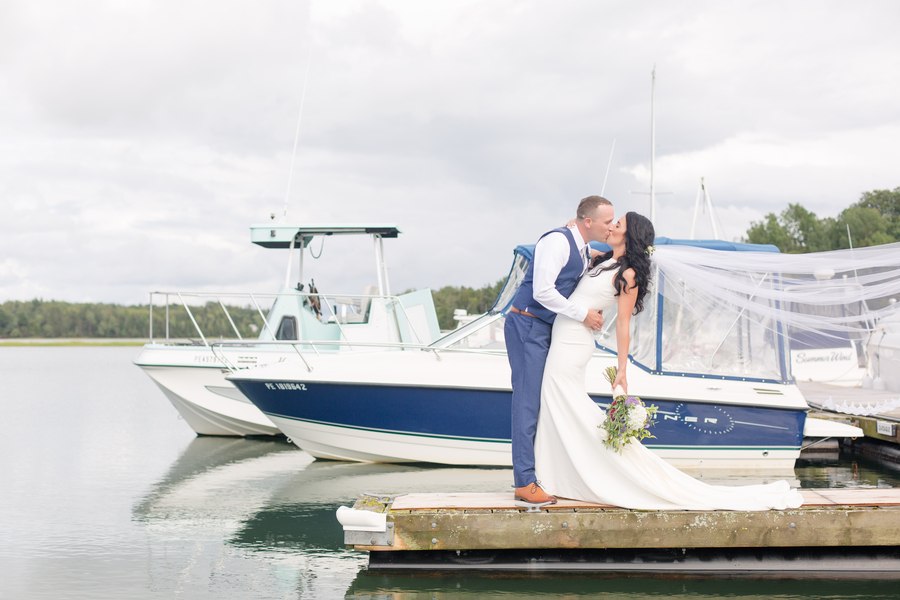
<point>588,205</point>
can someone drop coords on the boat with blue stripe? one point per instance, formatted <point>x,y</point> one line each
<point>724,389</point>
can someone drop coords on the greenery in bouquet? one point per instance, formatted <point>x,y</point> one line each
<point>627,418</point>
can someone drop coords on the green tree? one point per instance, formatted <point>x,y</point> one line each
<point>795,230</point>
<point>6,320</point>
<point>867,227</point>
<point>53,319</point>
<point>474,301</point>
<point>873,220</point>
<point>887,203</point>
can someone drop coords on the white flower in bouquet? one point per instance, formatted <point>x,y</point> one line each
<point>637,415</point>
<point>626,419</point>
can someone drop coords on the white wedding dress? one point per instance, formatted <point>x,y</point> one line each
<point>571,459</point>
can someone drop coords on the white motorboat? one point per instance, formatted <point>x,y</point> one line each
<point>721,379</point>
<point>192,373</point>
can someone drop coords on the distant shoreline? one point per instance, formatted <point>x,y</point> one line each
<point>73,341</point>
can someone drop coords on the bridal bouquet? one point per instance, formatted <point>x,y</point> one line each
<point>626,418</point>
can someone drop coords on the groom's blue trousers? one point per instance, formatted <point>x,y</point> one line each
<point>527,345</point>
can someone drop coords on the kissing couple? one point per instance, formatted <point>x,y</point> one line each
<point>557,433</point>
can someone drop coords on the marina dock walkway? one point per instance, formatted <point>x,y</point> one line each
<point>834,530</point>
<point>876,412</point>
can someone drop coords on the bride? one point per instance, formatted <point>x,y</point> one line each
<point>571,459</point>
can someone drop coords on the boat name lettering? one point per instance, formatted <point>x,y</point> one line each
<point>832,356</point>
<point>711,420</point>
<point>286,385</point>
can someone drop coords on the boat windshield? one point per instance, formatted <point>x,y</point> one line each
<point>513,281</point>
<point>482,333</point>
<point>486,331</point>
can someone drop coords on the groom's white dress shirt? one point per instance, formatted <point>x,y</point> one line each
<point>551,254</point>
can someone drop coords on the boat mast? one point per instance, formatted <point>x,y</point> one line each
<point>703,197</point>
<point>608,165</point>
<point>652,147</point>
<point>652,192</point>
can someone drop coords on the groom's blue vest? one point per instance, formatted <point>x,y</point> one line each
<point>565,282</point>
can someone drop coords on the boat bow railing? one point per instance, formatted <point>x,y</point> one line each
<point>305,348</point>
<point>342,310</point>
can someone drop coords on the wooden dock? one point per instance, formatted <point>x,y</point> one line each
<point>835,530</point>
<point>880,424</point>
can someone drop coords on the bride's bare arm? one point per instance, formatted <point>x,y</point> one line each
<point>627,299</point>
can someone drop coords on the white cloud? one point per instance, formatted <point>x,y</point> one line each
<point>141,139</point>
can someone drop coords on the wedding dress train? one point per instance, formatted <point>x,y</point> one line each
<point>571,459</point>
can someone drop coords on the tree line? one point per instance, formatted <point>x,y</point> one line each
<point>873,220</point>
<point>473,300</point>
<point>56,319</point>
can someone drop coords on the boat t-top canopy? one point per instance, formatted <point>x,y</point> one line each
<point>280,235</point>
<point>276,235</point>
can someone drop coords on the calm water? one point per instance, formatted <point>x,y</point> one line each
<point>106,493</point>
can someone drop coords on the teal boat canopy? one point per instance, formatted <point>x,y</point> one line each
<point>278,235</point>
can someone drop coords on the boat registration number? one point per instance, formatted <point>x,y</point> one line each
<point>286,385</point>
<point>885,428</point>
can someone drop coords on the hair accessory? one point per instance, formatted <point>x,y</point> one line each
<point>650,250</point>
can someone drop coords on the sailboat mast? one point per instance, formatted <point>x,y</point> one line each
<point>608,165</point>
<point>652,147</point>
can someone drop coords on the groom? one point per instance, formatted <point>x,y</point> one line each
<point>561,257</point>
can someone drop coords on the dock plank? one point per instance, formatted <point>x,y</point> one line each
<point>829,518</point>
<point>505,500</point>
<point>473,500</point>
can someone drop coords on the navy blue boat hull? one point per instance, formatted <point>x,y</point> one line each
<point>457,416</point>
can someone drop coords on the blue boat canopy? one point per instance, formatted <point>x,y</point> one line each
<point>527,250</point>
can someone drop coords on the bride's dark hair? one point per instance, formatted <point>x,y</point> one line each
<point>639,234</point>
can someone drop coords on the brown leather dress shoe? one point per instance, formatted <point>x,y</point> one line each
<point>533,495</point>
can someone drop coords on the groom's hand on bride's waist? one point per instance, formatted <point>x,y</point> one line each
<point>594,319</point>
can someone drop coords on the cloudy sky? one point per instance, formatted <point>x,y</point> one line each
<point>141,139</point>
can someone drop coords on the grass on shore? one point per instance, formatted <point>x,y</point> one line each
<point>72,342</point>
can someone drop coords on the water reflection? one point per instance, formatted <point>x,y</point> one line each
<point>300,514</point>
<point>228,507</point>
<point>105,494</point>
<point>845,473</point>
<point>205,454</point>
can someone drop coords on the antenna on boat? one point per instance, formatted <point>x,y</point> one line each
<point>287,194</point>
<point>703,194</point>
<point>608,164</point>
